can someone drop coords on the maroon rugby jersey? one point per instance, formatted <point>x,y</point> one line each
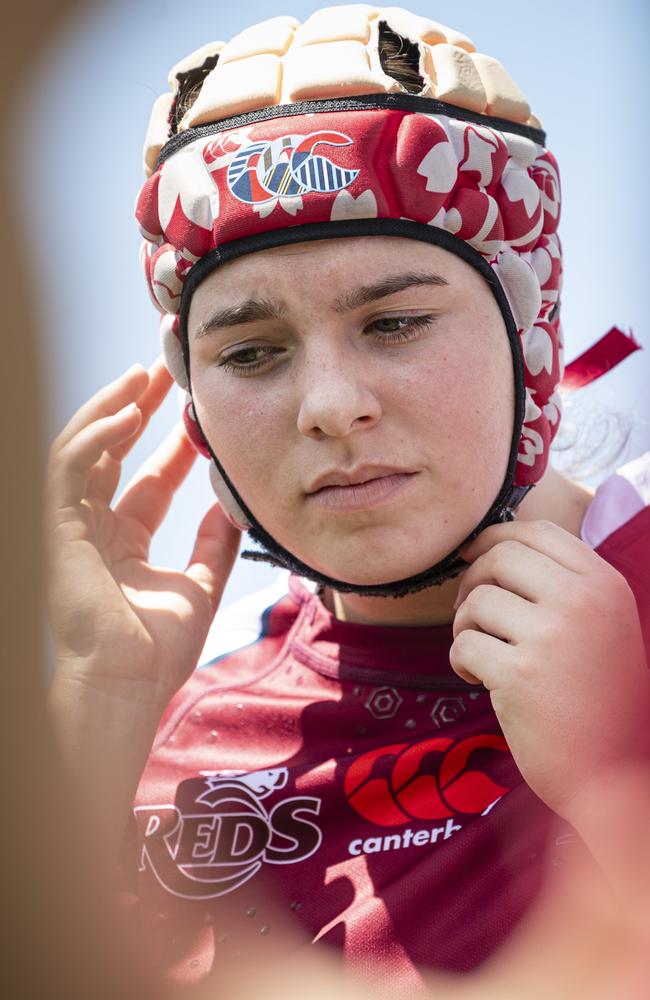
<point>334,782</point>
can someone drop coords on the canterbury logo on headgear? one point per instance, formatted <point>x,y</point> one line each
<point>287,166</point>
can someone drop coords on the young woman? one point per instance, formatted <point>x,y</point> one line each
<point>351,231</point>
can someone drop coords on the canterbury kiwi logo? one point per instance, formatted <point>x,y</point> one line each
<point>288,166</point>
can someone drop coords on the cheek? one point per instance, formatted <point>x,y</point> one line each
<point>246,424</point>
<point>463,403</point>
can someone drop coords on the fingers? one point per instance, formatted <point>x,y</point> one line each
<point>543,536</point>
<point>91,459</point>
<point>214,554</point>
<point>479,658</point>
<point>160,382</point>
<point>498,612</point>
<point>104,478</point>
<point>148,496</point>
<point>70,467</point>
<point>105,403</point>
<point>518,568</point>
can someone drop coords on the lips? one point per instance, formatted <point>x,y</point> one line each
<point>360,490</point>
<point>355,477</point>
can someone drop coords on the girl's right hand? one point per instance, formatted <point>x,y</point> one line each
<point>126,628</point>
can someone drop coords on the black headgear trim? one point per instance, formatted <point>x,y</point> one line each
<point>362,102</point>
<point>509,496</point>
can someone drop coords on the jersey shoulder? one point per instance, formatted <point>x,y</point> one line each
<point>243,623</point>
<point>623,499</point>
<point>620,525</point>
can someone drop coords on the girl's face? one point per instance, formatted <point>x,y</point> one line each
<point>359,393</point>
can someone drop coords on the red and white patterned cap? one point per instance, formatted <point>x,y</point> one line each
<point>360,121</point>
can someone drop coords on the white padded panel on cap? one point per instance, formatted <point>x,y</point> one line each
<point>157,131</point>
<point>236,87</point>
<point>458,38</point>
<point>334,24</point>
<point>333,69</point>
<point>184,179</point>
<point>273,70</point>
<point>538,350</point>
<point>272,36</point>
<point>522,150</point>
<point>521,285</point>
<point>227,500</point>
<point>504,98</point>
<point>412,25</point>
<point>193,61</point>
<point>346,206</point>
<point>172,353</point>
<point>166,284</point>
<point>455,77</point>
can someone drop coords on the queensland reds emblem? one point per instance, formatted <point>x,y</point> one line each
<point>429,780</point>
<point>224,833</point>
<point>287,166</point>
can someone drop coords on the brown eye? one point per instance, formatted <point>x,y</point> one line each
<point>246,360</point>
<point>246,357</point>
<point>390,324</point>
<point>397,329</point>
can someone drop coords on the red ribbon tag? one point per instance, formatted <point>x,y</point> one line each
<point>597,360</point>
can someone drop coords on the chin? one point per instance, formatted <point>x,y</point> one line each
<point>372,554</point>
<point>376,568</point>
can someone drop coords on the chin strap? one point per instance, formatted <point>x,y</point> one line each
<point>508,511</point>
<point>446,569</point>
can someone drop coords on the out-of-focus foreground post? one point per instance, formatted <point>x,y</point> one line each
<point>58,937</point>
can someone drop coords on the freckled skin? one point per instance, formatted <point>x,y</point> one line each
<point>337,394</point>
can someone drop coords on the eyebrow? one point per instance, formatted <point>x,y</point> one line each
<point>256,310</point>
<point>386,286</point>
<point>248,311</point>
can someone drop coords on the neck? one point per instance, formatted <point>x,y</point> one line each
<point>555,498</point>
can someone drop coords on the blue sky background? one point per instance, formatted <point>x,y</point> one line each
<point>77,151</point>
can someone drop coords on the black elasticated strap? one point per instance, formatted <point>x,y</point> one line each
<point>365,102</point>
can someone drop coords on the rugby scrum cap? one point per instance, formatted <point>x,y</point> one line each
<point>361,121</point>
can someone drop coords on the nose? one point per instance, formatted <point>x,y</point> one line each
<point>336,397</point>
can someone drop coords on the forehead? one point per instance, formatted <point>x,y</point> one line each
<point>324,269</point>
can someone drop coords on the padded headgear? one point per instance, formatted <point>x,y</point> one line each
<point>361,121</point>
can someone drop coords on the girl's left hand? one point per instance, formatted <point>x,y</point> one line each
<point>553,632</point>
